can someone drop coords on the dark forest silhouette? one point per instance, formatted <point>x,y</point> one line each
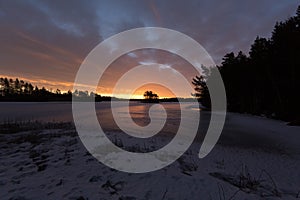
<point>19,90</point>
<point>268,80</point>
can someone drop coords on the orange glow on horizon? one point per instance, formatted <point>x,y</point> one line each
<point>160,90</point>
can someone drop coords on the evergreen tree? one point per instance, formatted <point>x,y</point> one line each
<point>202,92</point>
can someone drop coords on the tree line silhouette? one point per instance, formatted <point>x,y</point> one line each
<point>19,90</point>
<point>267,81</point>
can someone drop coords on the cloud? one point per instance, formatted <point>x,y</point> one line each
<point>50,39</point>
<point>160,66</point>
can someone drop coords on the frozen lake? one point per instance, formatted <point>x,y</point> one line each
<point>62,111</point>
<point>241,130</point>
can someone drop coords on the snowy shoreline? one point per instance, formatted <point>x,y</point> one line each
<point>254,158</point>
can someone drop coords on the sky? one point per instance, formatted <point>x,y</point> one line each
<point>45,41</point>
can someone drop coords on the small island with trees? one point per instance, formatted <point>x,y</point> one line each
<point>150,97</point>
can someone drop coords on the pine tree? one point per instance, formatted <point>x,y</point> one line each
<point>202,93</point>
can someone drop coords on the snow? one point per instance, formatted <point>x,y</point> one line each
<point>255,158</point>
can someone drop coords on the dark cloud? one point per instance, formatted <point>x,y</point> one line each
<point>224,26</point>
<point>48,39</point>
